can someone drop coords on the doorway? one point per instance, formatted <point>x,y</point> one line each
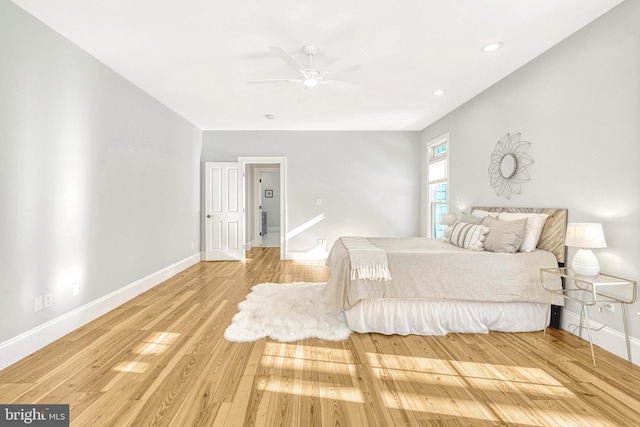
<point>275,206</point>
<point>267,207</point>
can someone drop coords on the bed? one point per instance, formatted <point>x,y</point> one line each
<point>436,287</point>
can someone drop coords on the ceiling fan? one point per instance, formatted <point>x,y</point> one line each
<point>309,76</point>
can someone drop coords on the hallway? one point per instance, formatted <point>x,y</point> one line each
<point>272,238</point>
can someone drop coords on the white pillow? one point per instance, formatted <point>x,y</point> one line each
<point>535,222</point>
<point>468,236</point>
<point>482,214</point>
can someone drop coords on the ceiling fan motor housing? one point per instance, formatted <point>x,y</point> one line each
<point>309,49</point>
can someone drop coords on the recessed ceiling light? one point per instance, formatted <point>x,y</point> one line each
<point>439,92</point>
<point>269,116</point>
<point>491,47</point>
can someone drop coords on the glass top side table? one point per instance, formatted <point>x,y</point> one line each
<point>588,291</point>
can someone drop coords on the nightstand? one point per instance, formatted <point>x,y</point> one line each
<point>588,291</point>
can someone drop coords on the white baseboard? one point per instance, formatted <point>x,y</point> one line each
<point>607,338</point>
<point>316,254</point>
<point>28,342</point>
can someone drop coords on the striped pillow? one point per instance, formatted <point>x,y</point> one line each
<point>468,236</point>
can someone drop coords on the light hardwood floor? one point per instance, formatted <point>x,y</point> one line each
<point>161,359</point>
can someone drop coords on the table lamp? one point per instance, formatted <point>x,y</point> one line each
<point>585,236</point>
<point>448,219</point>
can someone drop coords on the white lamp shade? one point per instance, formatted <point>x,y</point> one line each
<point>585,235</point>
<point>448,219</point>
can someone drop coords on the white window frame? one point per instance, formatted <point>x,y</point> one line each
<point>432,158</point>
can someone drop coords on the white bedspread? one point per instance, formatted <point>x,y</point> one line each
<point>431,269</point>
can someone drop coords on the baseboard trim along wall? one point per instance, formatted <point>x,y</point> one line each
<point>607,338</point>
<point>24,344</point>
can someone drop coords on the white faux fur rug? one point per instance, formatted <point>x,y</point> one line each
<point>286,312</point>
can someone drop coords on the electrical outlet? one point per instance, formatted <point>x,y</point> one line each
<point>75,289</point>
<point>38,303</point>
<point>609,307</point>
<point>48,300</point>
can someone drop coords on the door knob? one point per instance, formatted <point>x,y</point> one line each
<point>208,216</point>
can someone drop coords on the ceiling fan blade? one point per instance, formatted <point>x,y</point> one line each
<point>288,58</point>
<point>275,81</point>
<point>347,62</point>
<point>344,86</point>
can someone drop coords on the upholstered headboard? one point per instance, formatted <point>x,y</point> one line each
<point>553,232</point>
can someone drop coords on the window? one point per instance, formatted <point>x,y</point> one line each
<point>438,183</point>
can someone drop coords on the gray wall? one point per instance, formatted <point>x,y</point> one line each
<point>579,106</point>
<point>369,181</point>
<point>99,183</point>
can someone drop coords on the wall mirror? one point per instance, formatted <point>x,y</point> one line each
<point>509,164</point>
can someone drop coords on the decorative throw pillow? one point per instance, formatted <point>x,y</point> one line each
<point>482,214</point>
<point>471,219</point>
<point>535,222</point>
<point>504,236</point>
<point>447,233</point>
<point>468,236</point>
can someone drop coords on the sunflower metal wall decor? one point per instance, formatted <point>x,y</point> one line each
<point>508,165</point>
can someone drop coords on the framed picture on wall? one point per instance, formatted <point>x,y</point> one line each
<point>268,194</point>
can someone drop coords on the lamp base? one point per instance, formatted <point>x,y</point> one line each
<point>585,263</point>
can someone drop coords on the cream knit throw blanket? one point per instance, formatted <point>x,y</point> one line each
<point>367,261</point>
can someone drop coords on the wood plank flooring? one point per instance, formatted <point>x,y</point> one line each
<point>161,359</point>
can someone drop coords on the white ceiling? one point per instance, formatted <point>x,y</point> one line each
<point>196,56</point>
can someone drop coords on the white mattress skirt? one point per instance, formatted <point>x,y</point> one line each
<point>425,317</point>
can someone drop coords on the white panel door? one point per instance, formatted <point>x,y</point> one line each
<point>224,222</point>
